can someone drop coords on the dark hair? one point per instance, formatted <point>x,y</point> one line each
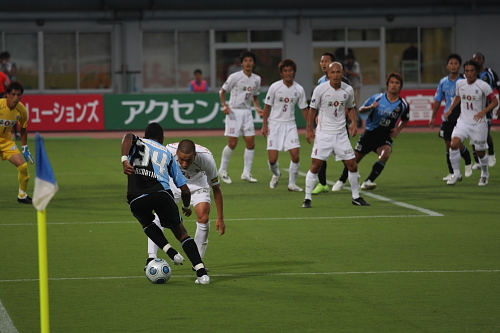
<point>246,54</point>
<point>397,76</point>
<point>330,55</point>
<point>287,63</point>
<point>197,71</point>
<point>350,56</point>
<point>4,55</point>
<point>454,56</point>
<point>154,131</point>
<point>472,63</point>
<point>186,147</point>
<point>479,53</point>
<point>14,85</point>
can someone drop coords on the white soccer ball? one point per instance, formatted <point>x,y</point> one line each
<point>158,271</point>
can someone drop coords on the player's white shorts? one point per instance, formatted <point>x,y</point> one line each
<point>332,144</point>
<point>239,122</point>
<point>282,136</point>
<point>477,134</point>
<point>198,194</point>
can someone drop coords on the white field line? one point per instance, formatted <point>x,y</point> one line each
<point>381,198</point>
<point>6,324</point>
<point>271,274</point>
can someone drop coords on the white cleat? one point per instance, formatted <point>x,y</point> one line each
<point>178,259</point>
<point>368,185</point>
<point>483,181</point>
<point>274,181</point>
<point>205,279</point>
<point>453,180</point>
<point>294,188</point>
<point>338,186</point>
<point>448,177</point>
<point>492,160</point>
<point>248,177</point>
<point>225,177</point>
<point>476,166</point>
<point>468,170</point>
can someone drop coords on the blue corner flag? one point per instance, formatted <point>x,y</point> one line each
<point>45,182</point>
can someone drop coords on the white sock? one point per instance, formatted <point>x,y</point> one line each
<point>275,169</point>
<point>483,162</point>
<point>248,157</point>
<point>354,181</point>
<point>310,183</point>
<point>226,155</point>
<point>455,162</point>
<point>201,237</point>
<point>293,171</point>
<point>152,247</point>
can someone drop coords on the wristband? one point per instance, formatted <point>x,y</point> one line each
<point>188,207</point>
<point>124,158</point>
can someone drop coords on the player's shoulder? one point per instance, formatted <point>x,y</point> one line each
<point>298,86</point>
<point>172,147</point>
<point>346,87</point>
<point>276,85</point>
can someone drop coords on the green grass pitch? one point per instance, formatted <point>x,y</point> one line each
<point>424,257</point>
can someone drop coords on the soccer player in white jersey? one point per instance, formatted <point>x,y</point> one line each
<point>244,87</point>
<point>279,125</point>
<point>198,166</point>
<point>333,101</point>
<point>472,93</point>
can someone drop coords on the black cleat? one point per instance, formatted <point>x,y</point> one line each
<point>306,204</point>
<point>147,262</point>
<point>360,202</point>
<point>25,200</point>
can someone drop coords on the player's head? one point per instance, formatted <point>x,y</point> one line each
<point>247,54</point>
<point>154,131</point>
<point>197,74</point>
<point>247,59</point>
<point>186,152</point>
<point>326,59</point>
<point>471,70</point>
<point>479,58</point>
<point>287,67</point>
<point>13,94</point>
<point>4,56</point>
<point>14,85</point>
<point>453,63</point>
<point>394,82</point>
<point>335,72</point>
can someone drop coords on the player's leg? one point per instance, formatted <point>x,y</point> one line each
<point>353,177</point>
<point>248,159</point>
<point>202,210</point>
<point>383,152</point>
<point>274,166</point>
<point>293,170</point>
<point>22,176</point>
<point>478,136</point>
<point>491,151</point>
<point>311,181</point>
<point>464,152</point>
<point>456,142</point>
<point>322,186</point>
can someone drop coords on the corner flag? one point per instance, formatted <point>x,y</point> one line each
<point>45,181</point>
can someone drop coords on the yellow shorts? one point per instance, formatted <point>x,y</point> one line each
<point>8,148</point>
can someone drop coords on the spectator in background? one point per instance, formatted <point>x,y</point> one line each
<point>234,67</point>
<point>4,82</point>
<point>9,70</point>
<point>352,71</point>
<point>198,85</point>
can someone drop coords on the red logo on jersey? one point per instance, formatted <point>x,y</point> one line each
<point>286,100</point>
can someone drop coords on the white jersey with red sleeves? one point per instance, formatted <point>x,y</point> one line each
<point>473,99</point>
<point>242,88</point>
<point>203,170</point>
<point>283,99</point>
<point>331,105</point>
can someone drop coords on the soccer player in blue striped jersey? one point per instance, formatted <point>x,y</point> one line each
<point>149,166</point>
<point>446,91</point>
<point>385,110</point>
<point>489,76</point>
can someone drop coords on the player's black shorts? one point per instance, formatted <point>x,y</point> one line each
<point>371,141</point>
<point>446,130</point>
<point>162,203</point>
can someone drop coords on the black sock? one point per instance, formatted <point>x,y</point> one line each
<point>491,151</point>
<point>156,235</point>
<point>322,174</point>
<point>193,254</point>
<point>450,168</point>
<point>466,156</point>
<point>343,177</point>
<point>476,159</point>
<point>376,170</point>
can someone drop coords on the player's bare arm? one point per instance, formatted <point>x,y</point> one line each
<point>265,116</point>
<point>395,131</point>
<point>453,105</point>
<point>435,109</point>
<point>353,129</point>
<point>126,145</point>
<point>186,200</point>
<point>311,115</point>
<point>220,226</point>
<point>222,97</point>
<point>256,104</point>
<point>365,109</point>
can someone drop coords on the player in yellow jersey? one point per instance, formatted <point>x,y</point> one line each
<point>11,112</point>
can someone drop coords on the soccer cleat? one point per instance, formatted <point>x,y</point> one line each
<point>360,202</point>
<point>468,170</point>
<point>194,270</point>
<point>320,189</point>
<point>248,178</point>
<point>338,186</point>
<point>205,279</point>
<point>453,180</point>
<point>476,166</point>
<point>274,181</point>
<point>25,200</point>
<point>147,262</point>
<point>368,185</point>
<point>225,177</point>
<point>294,188</point>
<point>448,176</point>
<point>306,203</point>
<point>492,160</point>
<point>483,181</point>
<point>178,259</point>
